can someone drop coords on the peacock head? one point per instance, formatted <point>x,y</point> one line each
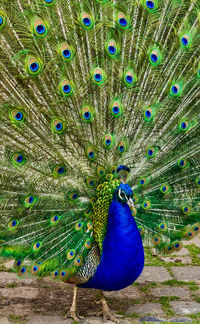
<point>123,192</point>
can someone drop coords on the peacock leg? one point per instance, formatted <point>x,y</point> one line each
<point>106,312</point>
<point>72,312</point>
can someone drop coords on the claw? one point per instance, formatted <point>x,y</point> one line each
<point>107,313</point>
<point>73,315</point>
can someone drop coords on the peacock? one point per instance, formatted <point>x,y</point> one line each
<point>100,140</point>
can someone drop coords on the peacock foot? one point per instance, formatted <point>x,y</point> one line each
<point>107,313</point>
<point>74,315</point>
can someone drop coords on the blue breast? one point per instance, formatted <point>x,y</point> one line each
<point>122,259</point>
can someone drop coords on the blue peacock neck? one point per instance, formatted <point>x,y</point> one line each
<point>122,259</point>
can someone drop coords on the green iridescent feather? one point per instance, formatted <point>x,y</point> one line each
<point>87,86</point>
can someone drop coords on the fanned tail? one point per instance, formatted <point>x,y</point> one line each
<point>87,86</point>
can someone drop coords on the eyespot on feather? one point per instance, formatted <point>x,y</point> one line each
<point>18,159</point>
<point>162,227</point>
<point>57,126</point>
<point>184,125</point>
<point>155,56</point>
<point>13,225</point>
<point>112,48</point>
<point>129,78</point>
<point>90,182</point>
<point>78,226</point>
<point>175,89</point>
<point>17,116</point>
<point>33,65</point>
<point>182,163</point>
<point>151,152</point>
<point>102,1</point>
<point>122,147</point>
<point>37,246</point>
<point>87,114</point>
<point>55,274</point>
<point>55,219</point>
<point>87,20</point>
<point>113,169</point>
<point>91,153</point>
<point>29,201</point>
<point>177,246</point>
<point>88,244</point>
<point>49,2</point>
<point>2,19</point>
<point>168,249</point>
<point>165,189</point>
<point>134,211</point>
<point>88,212</point>
<point>122,20</point>
<point>146,204</point>
<point>98,76</point>
<point>22,271</point>
<point>135,199</point>
<point>141,229</point>
<point>71,254</point>
<point>59,170</point>
<point>156,240</point>
<point>39,27</point>
<point>101,171</point>
<point>66,88</point>
<point>196,228</point>
<point>64,275</point>
<point>150,5</point>
<point>90,225</point>
<point>148,114</point>
<point>186,210</point>
<point>35,269</point>
<point>78,262</point>
<point>66,51</point>
<point>185,40</point>
<point>116,108</point>
<point>142,182</point>
<point>73,196</point>
<point>189,234</point>
<point>108,141</point>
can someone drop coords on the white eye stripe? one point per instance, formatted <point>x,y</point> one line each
<point>120,195</point>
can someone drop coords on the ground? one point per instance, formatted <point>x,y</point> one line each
<point>168,291</point>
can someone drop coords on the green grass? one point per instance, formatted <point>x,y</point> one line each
<point>174,282</point>
<point>195,317</point>
<point>11,285</point>
<point>17,319</point>
<point>194,253</point>
<point>146,288</point>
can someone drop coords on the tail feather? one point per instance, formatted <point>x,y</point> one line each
<point>87,86</point>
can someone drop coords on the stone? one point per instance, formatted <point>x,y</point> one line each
<point>187,273</point>
<point>19,309</point>
<point>150,319</point>
<point>4,320</point>
<point>19,292</point>
<point>147,308</point>
<point>131,292</point>
<point>168,291</point>
<point>177,259</point>
<point>184,251</point>
<point>195,241</point>
<point>9,277</point>
<point>9,264</point>
<point>154,274</point>
<point>48,319</point>
<point>180,320</point>
<point>98,320</point>
<point>185,307</point>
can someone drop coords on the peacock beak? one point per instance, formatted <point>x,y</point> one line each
<point>131,203</point>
